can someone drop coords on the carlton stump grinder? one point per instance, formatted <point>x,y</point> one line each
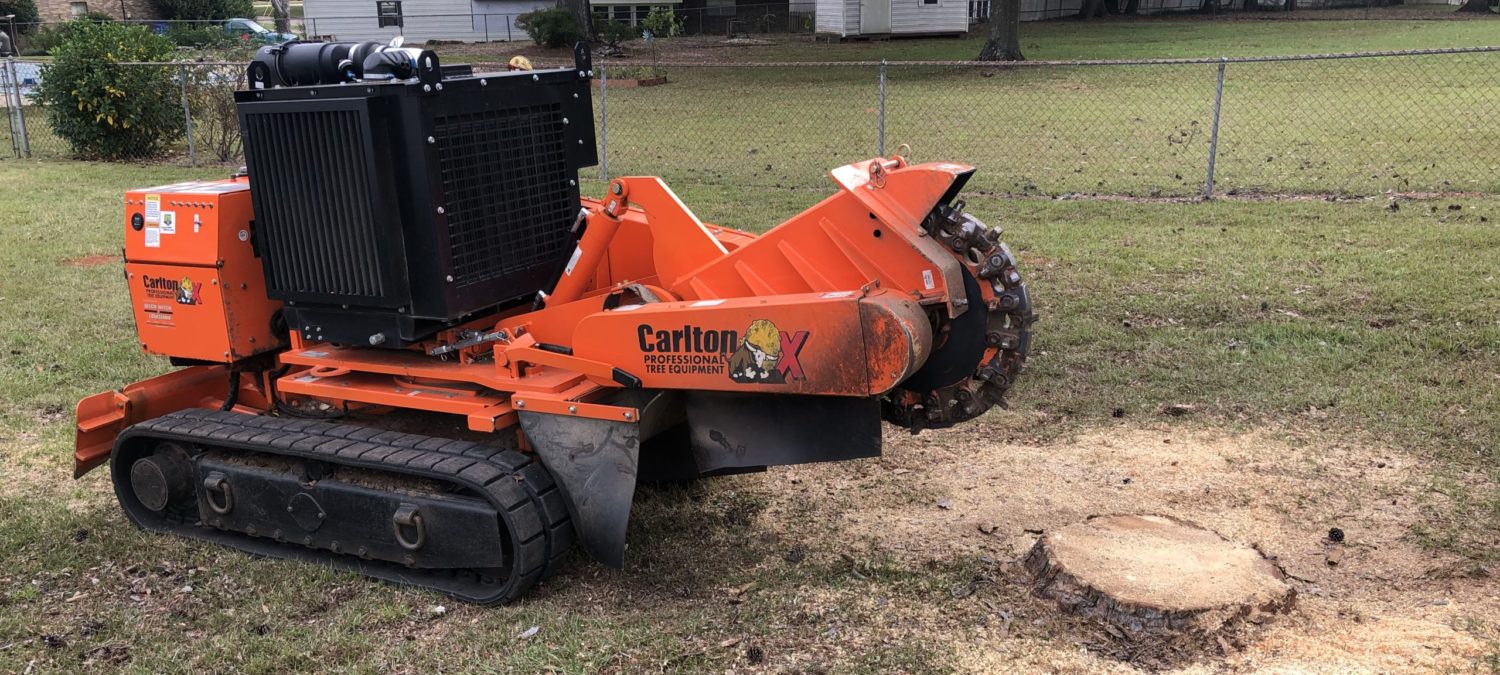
<point>407,346</point>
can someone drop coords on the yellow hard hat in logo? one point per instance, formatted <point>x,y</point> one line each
<point>518,63</point>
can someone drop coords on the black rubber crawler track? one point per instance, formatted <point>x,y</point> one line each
<point>522,492</point>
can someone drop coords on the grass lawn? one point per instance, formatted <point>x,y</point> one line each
<point>1334,323</point>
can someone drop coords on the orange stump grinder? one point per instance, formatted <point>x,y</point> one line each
<point>407,346</point>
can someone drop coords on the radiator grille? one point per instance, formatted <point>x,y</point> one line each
<point>505,183</point>
<point>313,202</point>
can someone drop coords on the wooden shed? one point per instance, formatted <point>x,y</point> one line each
<point>877,18</point>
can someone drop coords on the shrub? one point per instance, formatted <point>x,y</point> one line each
<point>216,124</point>
<point>204,10</point>
<point>201,36</point>
<point>552,27</point>
<point>662,22</point>
<point>614,33</point>
<point>108,111</point>
<point>26,15</point>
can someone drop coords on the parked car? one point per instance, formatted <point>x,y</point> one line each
<point>251,31</point>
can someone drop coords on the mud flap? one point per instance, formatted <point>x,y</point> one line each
<point>594,463</point>
<point>733,430</point>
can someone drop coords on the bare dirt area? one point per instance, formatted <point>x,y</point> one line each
<point>1374,603</point>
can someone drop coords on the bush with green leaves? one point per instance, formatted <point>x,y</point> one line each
<point>27,17</point>
<point>200,36</point>
<point>204,10</point>
<point>109,111</point>
<point>662,22</point>
<point>614,33</point>
<point>551,27</point>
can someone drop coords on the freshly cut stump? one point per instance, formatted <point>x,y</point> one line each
<point>1153,575</point>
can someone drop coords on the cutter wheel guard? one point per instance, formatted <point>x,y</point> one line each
<point>406,345</point>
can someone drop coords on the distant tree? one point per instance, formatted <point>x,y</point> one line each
<point>26,15</point>
<point>281,13</point>
<point>582,13</point>
<point>1004,40</point>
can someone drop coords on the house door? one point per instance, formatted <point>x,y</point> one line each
<point>875,16</point>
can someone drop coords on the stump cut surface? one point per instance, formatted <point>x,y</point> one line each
<point>1146,572</point>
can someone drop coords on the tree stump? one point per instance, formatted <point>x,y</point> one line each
<point>1155,576</point>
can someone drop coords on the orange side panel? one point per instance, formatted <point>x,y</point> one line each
<point>196,288</point>
<point>810,343</point>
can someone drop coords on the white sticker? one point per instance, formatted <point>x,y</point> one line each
<point>153,208</point>
<point>573,261</point>
<point>314,354</point>
<point>197,223</point>
<point>707,303</point>
<point>927,279</point>
<point>628,308</point>
<point>153,237</point>
<point>169,222</point>
<point>838,294</point>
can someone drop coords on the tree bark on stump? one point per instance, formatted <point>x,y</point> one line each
<point>1155,576</point>
<point>1475,6</point>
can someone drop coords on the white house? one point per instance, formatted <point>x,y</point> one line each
<point>851,18</point>
<point>418,20</point>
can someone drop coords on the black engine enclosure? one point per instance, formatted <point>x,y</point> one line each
<point>386,211</point>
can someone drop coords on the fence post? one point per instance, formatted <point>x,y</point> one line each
<point>1213,137</point>
<point>509,21</point>
<point>15,81</point>
<point>10,111</point>
<point>880,134</point>
<point>603,123</point>
<point>486,27</point>
<point>187,116</point>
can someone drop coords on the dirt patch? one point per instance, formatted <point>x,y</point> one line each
<point>1384,604</point>
<point>94,260</point>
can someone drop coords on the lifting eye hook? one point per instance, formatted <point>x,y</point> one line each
<point>407,517</point>
<point>218,484</point>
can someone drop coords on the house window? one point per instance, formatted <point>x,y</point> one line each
<point>78,8</point>
<point>929,2</point>
<point>389,12</point>
<point>721,8</point>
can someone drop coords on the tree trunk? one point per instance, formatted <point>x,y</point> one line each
<point>1475,6</point>
<point>281,13</point>
<point>1112,7</point>
<point>1090,9</point>
<point>1004,40</point>
<point>1132,6</point>
<point>581,14</point>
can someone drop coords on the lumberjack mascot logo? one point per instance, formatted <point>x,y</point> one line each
<point>189,293</point>
<point>767,355</point>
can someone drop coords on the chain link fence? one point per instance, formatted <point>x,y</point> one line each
<point>767,133</point>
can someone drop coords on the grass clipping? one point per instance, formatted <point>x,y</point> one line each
<point>1156,576</point>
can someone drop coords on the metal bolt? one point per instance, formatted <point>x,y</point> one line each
<point>573,409</point>
<point>288,509</point>
<point>440,86</point>
<point>572,182</point>
<point>484,83</point>
<point>377,338</point>
<point>629,416</point>
<point>431,140</point>
<point>450,278</point>
<point>520,404</point>
<point>426,87</point>
<point>580,141</point>
<point>617,189</point>
<point>535,78</point>
<point>565,120</point>
<point>575,94</point>
<point>440,210</point>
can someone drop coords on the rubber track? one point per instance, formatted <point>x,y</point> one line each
<point>519,488</point>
